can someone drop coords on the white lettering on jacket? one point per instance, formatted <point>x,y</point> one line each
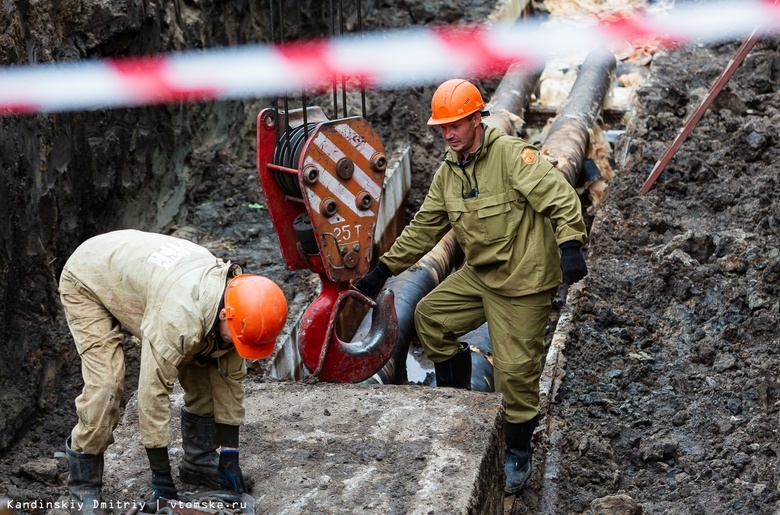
<point>171,253</point>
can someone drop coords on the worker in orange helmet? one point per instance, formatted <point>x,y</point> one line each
<point>499,197</point>
<point>198,319</point>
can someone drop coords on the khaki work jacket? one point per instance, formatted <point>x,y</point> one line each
<point>505,227</point>
<point>165,291</point>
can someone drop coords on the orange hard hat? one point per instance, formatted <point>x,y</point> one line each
<point>453,100</point>
<point>256,311</point>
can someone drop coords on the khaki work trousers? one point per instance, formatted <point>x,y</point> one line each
<point>99,337</point>
<point>516,326</point>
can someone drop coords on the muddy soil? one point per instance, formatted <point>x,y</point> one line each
<point>670,397</point>
<point>224,210</point>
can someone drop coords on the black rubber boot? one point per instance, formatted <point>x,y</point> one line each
<point>163,486</point>
<point>199,441</point>
<point>518,454</point>
<point>456,371</point>
<point>85,480</point>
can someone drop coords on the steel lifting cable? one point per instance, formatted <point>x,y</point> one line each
<point>272,23</point>
<point>332,18</point>
<point>303,92</point>
<point>343,76</point>
<point>290,141</point>
<point>337,27</point>
<point>280,41</point>
<point>286,99</point>
<point>287,153</point>
<point>362,85</point>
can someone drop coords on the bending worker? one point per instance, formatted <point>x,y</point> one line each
<point>512,214</point>
<point>198,319</point>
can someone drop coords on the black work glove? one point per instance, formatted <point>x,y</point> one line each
<point>572,262</point>
<point>229,472</point>
<point>370,284</point>
<point>163,485</point>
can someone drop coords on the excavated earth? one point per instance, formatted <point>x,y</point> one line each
<point>669,402</point>
<point>671,391</point>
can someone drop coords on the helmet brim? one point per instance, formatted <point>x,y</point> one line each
<point>253,352</point>
<point>452,119</point>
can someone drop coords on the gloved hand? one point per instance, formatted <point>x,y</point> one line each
<point>573,263</point>
<point>163,485</point>
<point>370,284</point>
<point>229,472</point>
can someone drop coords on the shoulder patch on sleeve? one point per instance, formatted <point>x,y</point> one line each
<point>528,156</point>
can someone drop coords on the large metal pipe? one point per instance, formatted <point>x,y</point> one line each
<point>568,138</point>
<point>409,288</point>
<point>507,105</point>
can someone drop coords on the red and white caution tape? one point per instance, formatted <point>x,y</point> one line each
<point>392,59</point>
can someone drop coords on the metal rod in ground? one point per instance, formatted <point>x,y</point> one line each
<point>568,138</point>
<point>697,113</point>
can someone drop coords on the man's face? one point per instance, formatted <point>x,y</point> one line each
<point>224,327</point>
<point>461,135</point>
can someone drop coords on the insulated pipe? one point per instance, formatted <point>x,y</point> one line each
<point>409,288</point>
<point>569,136</point>
<point>507,106</point>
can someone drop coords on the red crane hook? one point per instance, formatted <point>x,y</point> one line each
<point>326,355</point>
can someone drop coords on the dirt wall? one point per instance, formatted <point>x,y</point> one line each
<point>71,175</point>
<point>670,395</point>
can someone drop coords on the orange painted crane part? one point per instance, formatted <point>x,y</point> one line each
<point>323,182</point>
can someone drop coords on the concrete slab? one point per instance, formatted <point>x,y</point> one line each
<point>347,448</point>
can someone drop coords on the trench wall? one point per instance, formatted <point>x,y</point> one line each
<point>65,177</point>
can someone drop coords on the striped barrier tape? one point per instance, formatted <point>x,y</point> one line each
<point>381,60</point>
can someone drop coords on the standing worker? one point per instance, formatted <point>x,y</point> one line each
<point>198,319</point>
<point>499,196</point>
